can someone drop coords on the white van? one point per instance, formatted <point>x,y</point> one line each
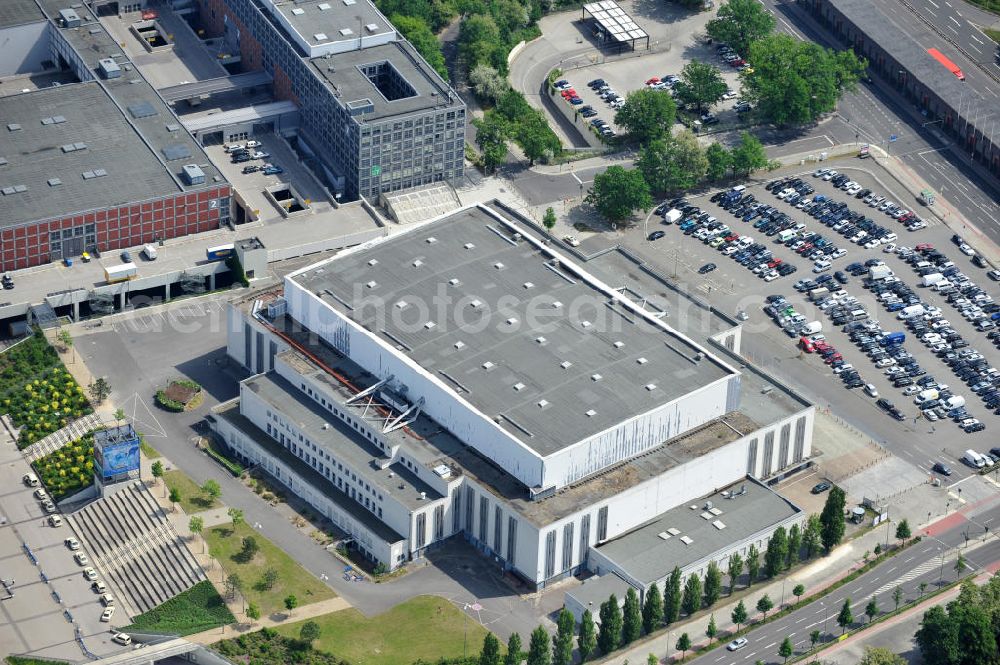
<point>149,251</point>
<point>974,459</point>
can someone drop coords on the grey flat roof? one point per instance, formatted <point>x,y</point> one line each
<point>329,17</point>
<point>35,154</point>
<point>323,486</point>
<point>649,552</point>
<point>342,442</point>
<point>906,38</point>
<point>351,86</point>
<point>512,349</point>
<point>19,12</point>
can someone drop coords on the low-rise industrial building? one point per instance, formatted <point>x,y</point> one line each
<point>470,377</point>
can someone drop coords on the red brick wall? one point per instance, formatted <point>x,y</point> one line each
<point>283,86</point>
<point>251,53</point>
<point>119,227</point>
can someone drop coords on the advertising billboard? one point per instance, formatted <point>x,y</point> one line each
<point>116,453</point>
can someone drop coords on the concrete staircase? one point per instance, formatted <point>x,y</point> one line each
<point>61,437</point>
<point>140,555</point>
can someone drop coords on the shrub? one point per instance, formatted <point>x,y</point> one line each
<point>192,611</point>
<point>69,469</point>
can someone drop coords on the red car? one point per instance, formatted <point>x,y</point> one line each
<point>774,264</point>
<point>924,247</point>
<point>568,93</point>
<point>738,62</point>
<point>832,358</point>
<point>653,81</point>
<point>806,345</point>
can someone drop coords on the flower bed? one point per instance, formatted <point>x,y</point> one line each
<point>69,469</point>
<point>179,395</point>
<point>46,404</point>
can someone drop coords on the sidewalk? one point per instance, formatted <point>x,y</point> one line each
<point>815,576</point>
<point>235,630</point>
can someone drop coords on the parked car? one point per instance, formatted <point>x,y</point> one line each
<point>819,488</point>
<point>707,268</point>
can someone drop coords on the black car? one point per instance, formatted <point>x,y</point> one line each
<point>595,84</point>
<point>707,268</point>
<point>656,235</point>
<point>941,468</point>
<point>7,281</point>
<point>126,257</point>
<point>884,404</point>
<point>819,488</point>
<point>840,277</point>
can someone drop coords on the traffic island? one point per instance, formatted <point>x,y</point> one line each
<point>179,395</point>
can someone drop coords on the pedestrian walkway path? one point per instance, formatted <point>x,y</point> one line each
<point>301,613</point>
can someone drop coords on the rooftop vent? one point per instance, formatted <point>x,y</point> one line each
<point>476,304</point>
<point>512,321</point>
<point>459,344</point>
<point>528,285</point>
<point>556,304</point>
<point>590,413</point>
<point>454,281</point>
<point>13,127</point>
<point>565,364</point>
<point>141,110</point>
<point>323,6</point>
<point>663,535</point>
<point>718,525</point>
<point>442,471</point>
<point>498,266</point>
<point>349,2</point>
<point>298,11</point>
<point>401,304</point>
<point>586,324</point>
<point>3,161</point>
<point>518,386</point>
<point>372,262</point>
<point>686,540</point>
<point>320,37</point>
<point>542,403</point>
<point>431,240</point>
<point>706,516</point>
<point>372,27</point>
<point>619,344</point>
<point>596,377</point>
<point>469,245</point>
<point>650,387</point>
<point>488,365</point>
<point>715,511</point>
<point>54,182</point>
<point>429,325</point>
<point>540,340</point>
<point>346,31</point>
<point>674,531</point>
<point>641,360</point>
<point>109,69</point>
<point>417,263</point>
<point>193,175</point>
<point>372,284</point>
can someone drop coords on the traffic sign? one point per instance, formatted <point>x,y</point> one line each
<point>376,170</point>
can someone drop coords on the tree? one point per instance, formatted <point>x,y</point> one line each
<point>880,656</point>
<point>753,565</point>
<point>538,647</point>
<point>734,570</point>
<point>959,566</point>
<point>777,551</point>
<point>798,590</point>
<point>236,515</point>
<point>269,578</point>
<point>253,613</point>
<point>587,641</point>
<point>786,649</point>
<point>490,654</point>
<point>897,596</point>
<point>832,518</point>
<point>748,156</point>
<point>175,497</point>
<point>196,524</point>
<point>610,633</point>
<point>845,618</point>
<point>119,414</point>
<point>416,30</point>
<point>212,489</point>
<point>923,587</point>
<point>739,23</point>
<point>100,389</point>
<point>975,634</point>
<point>672,597</point>
<point>903,531</point>
<point>719,160</point>
<point>233,585</point>
<point>683,643</point>
<point>647,115</point>
<point>652,609</point>
<point>712,630</point>
<point>938,639</point>
<point>631,618</point>
<point>533,134</point>
<point>794,545</point>
<point>651,659</point>
<point>514,655</point>
<point>250,548</point>
<point>309,631</point>
<point>291,602</point>
<point>811,536</point>
<point>701,85</point>
<point>492,132</point>
<point>487,82</point>
<point>479,41</point>
<point>764,605</point>
<point>713,584</point>
<point>814,637</point>
<point>739,615</point>
<point>795,82</point>
<point>871,609</point>
<point>562,641</point>
<point>157,470</point>
<point>65,339</point>
<point>618,192</point>
<point>549,220</point>
<point>692,595</point>
<point>673,163</point>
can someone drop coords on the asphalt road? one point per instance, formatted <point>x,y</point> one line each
<point>931,561</point>
<point>952,21</point>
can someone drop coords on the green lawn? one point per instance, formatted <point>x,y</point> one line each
<point>425,627</point>
<point>993,34</point>
<point>193,500</point>
<point>197,609</point>
<point>225,545</point>
<point>18,660</point>
<point>69,469</point>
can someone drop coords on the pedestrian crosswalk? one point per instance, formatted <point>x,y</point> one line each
<point>912,574</point>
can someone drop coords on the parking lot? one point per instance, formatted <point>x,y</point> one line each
<point>251,186</point>
<point>736,288</point>
<point>47,599</point>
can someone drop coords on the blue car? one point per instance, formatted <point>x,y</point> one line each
<point>273,170</point>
